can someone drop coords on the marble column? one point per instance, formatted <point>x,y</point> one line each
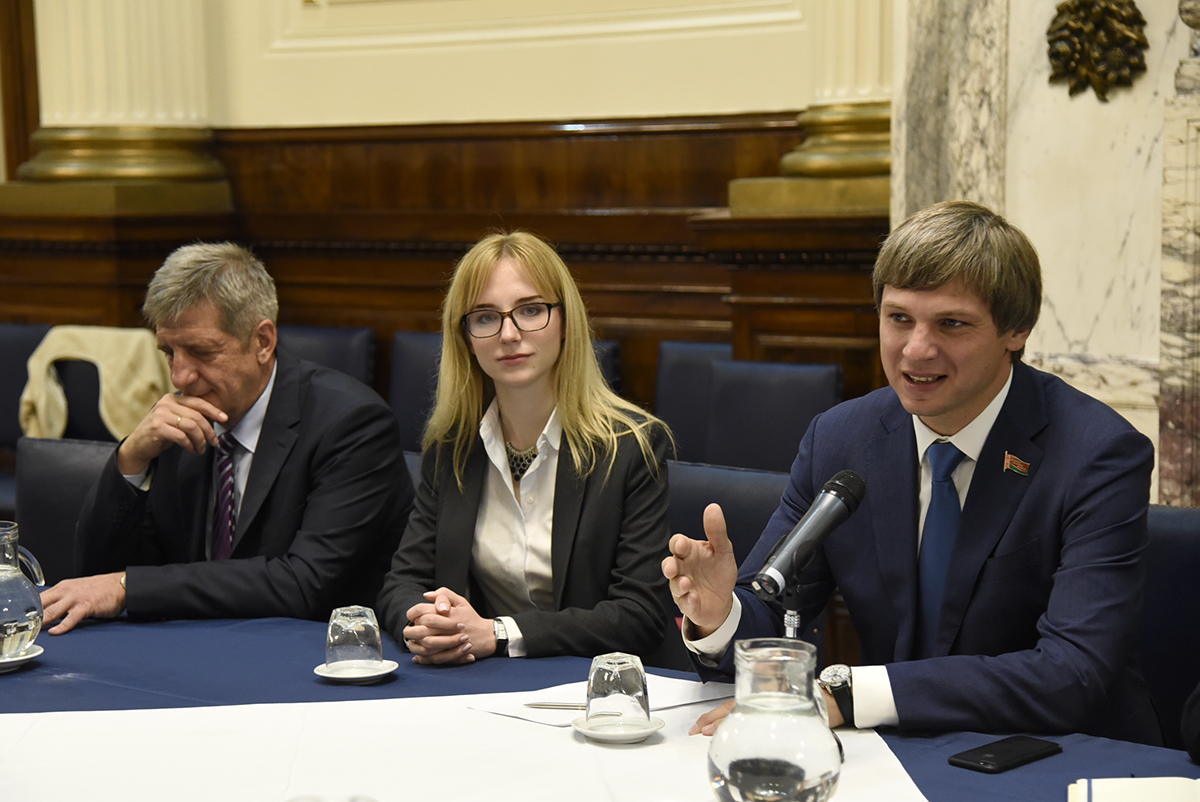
<point>1179,354</point>
<point>123,103</point>
<point>842,166</point>
<point>951,99</point>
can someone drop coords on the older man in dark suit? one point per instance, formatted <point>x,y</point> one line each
<point>998,592</point>
<point>267,486</point>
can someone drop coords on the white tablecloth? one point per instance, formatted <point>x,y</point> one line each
<point>396,749</point>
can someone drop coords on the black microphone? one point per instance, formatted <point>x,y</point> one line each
<point>840,497</point>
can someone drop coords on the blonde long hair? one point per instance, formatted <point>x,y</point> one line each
<point>593,417</point>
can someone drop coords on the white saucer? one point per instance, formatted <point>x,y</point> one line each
<point>13,663</point>
<point>615,732</point>
<point>356,672</point>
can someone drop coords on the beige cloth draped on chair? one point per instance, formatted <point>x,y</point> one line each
<point>134,374</point>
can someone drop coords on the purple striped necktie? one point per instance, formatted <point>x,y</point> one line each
<point>225,517</point>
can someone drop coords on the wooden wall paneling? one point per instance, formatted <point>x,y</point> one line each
<point>88,270</point>
<point>659,163</point>
<point>801,290</point>
<point>19,107</point>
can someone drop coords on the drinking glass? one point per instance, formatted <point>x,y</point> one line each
<point>353,637</point>
<point>617,691</point>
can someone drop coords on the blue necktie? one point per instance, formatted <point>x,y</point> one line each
<point>937,540</point>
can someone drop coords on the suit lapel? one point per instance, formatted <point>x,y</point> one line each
<point>994,497</point>
<point>892,499</point>
<point>195,471</point>
<point>457,516</point>
<point>570,489</point>
<point>275,443</point>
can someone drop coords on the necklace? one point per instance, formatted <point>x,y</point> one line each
<point>519,461</point>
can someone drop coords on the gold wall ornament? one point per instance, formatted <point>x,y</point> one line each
<point>1097,43</point>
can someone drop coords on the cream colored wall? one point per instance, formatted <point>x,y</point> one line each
<point>358,62</point>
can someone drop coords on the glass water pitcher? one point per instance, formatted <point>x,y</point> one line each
<point>775,746</point>
<point>20,602</point>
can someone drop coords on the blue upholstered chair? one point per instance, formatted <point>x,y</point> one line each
<point>608,354</point>
<point>681,395</point>
<point>1169,636</point>
<point>17,341</point>
<point>759,411</point>
<point>53,478</point>
<point>415,359</point>
<point>748,499</point>
<point>345,348</point>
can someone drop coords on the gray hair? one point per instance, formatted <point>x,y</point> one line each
<point>226,275</point>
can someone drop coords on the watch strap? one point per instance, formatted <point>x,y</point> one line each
<point>501,633</point>
<point>845,702</point>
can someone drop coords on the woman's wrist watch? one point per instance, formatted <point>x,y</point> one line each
<point>501,633</point>
<point>836,680</point>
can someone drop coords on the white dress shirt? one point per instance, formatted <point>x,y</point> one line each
<point>510,556</point>
<point>874,704</point>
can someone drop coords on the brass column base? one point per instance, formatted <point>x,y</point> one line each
<point>792,196</point>
<point>115,198</point>
<point>122,153</point>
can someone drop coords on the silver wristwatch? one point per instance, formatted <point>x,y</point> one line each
<point>501,633</point>
<point>836,680</point>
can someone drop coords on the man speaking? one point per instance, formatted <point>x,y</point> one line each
<point>993,568</point>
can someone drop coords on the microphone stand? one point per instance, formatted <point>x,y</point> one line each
<point>790,599</point>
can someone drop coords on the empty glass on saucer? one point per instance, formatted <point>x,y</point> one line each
<point>618,705</point>
<point>354,648</point>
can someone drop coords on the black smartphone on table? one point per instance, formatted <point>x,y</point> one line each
<point>1005,754</point>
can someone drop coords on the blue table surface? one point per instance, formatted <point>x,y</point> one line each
<point>116,665</point>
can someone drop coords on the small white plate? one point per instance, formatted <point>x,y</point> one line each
<point>356,672</point>
<point>13,663</point>
<point>614,731</point>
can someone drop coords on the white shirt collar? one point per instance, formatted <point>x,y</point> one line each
<point>970,438</point>
<point>491,432</point>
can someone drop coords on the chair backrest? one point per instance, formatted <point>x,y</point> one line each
<point>345,348</point>
<point>1169,635</point>
<point>748,499</point>
<point>759,411</point>
<point>80,381</point>
<point>53,478</point>
<point>608,354</point>
<point>416,356</point>
<point>17,342</point>
<point>682,387</point>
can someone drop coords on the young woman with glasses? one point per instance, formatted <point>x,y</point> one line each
<point>540,521</point>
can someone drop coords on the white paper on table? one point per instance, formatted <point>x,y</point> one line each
<point>1135,789</point>
<point>382,750</point>
<point>664,693</point>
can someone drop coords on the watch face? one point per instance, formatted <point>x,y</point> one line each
<point>835,675</point>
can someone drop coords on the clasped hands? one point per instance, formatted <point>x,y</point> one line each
<point>446,630</point>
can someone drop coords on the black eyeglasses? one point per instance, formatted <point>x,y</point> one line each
<point>483,323</point>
